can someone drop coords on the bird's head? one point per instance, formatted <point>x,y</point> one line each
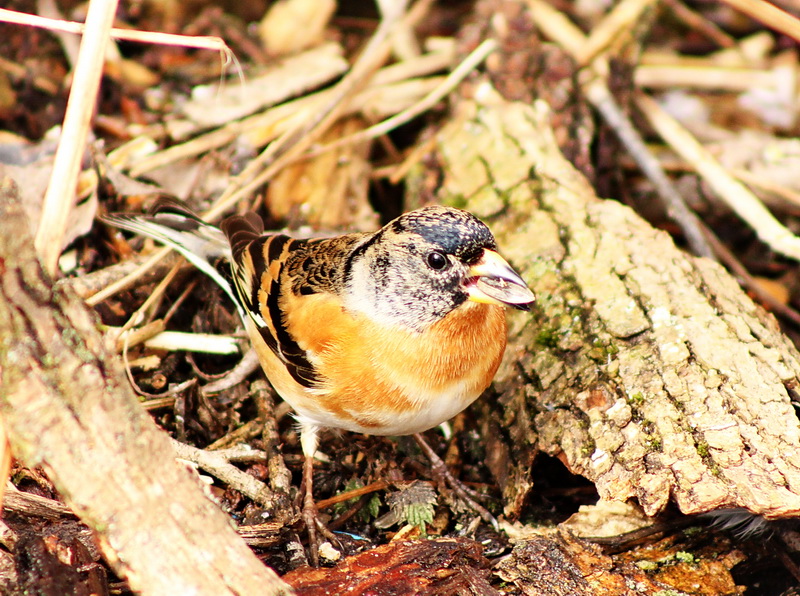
<point>425,264</point>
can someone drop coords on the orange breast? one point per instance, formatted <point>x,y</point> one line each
<point>381,380</point>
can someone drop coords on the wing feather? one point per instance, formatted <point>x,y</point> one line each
<point>259,263</point>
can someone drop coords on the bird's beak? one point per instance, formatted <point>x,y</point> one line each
<point>493,281</point>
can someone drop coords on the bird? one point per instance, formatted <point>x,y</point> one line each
<point>386,333</point>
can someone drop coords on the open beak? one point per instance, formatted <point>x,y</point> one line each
<point>493,281</point>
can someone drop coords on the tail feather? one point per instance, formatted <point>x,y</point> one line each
<point>175,226</point>
<point>240,231</point>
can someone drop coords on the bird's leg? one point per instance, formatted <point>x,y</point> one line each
<point>314,526</point>
<point>310,509</point>
<point>442,474</point>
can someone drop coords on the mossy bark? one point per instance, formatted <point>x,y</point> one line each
<point>642,368</point>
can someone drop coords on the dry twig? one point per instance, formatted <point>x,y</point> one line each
<point>735,194</point>
<point>571,39</point>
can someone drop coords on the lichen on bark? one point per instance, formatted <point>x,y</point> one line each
<point>643,368</point>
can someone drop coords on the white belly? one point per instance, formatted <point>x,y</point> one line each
<point>429,410</point>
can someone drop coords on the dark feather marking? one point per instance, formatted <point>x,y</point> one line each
<point>359,250</point>
<point>256,251</point>
<point>286,343</point>
<point>276,246</point>
<point>171,213</point>
<point>245,232</point>
<point>241,230</point>
<point>287,349</point>
<point>457,232</point>
<point>169,204</point>
<point>269,339</point>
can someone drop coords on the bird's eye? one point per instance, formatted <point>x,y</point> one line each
<point>437,260</point>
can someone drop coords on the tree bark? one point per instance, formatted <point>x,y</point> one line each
<point>646,370</point>
<point>68,407</point>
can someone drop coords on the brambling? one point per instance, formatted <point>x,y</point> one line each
<point>384,333</point>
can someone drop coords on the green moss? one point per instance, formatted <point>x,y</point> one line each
<point>367,513</point>
<point>547,338</point>
<point>685,557</point>
<point>653,443</point>
<point>636,400</point>
<point>420,515</point>
<point>647,565</point>
<point>602,350</point>
<point>693,531</point>
<point>704,451</point>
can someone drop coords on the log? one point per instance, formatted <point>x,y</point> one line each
<point>642,368</point>
<point>68,407</point>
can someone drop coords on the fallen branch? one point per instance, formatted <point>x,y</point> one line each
<point>644,369</point>
<point>67,406</point>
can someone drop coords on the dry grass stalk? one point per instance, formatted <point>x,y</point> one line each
<point>736,195</point>
<point>769,14</point>
<point>556,26</point>
<point>267,126</point>
<point>202,42</point>
<point>60,193</point>
<point>293,143</point>
<point>622,18</point>
<point>154,337</point>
